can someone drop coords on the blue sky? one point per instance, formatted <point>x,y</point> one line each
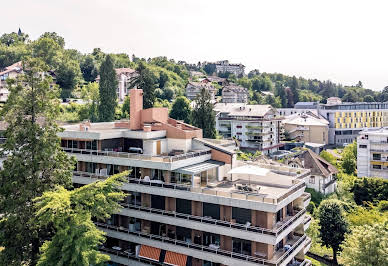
<point>344,41</point>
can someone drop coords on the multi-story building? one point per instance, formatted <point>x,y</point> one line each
<point>307,127</point>
<point>194,88</point>
<point>372,153</point>
<point>124,78</point>
<point>185,206</point>
<point>256,127</point>
<point>234,94</point>
<point>347,120</point>
<point>225,67</point>
<point>11,71</point>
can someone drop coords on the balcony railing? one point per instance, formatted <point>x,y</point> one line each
<point>135,156</point>
<point>206,220</point>
<point>218,251</point>
<point>129,255</point>
<point>204,190</point>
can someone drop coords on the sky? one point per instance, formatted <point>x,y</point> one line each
<point>344,41</point>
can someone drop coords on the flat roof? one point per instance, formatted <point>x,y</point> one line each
<point>199,167</point>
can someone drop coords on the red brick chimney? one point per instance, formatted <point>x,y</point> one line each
<point>135,108</point>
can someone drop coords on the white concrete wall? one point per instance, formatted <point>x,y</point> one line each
<point>179,144</point>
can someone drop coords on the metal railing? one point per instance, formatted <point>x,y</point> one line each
<point>217,251</point>
<point>208,220</point>
<point>136,156</point>
<point>129,256</point>
<point>209,191</point>
<point>307,219</point>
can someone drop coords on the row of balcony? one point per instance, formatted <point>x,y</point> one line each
<point>228,224</point>
<point>136,156</point>
<point>230,254</point>
<point>204,190</point>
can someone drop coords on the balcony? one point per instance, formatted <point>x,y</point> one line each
<point>162,162</point>
<point>203,252</point>
<point>198,221</point>
<point>306,199</point>
<point>224,189</point>
<point>120,256</point>
<point>307,222</point>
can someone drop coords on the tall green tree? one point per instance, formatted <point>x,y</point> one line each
<point>108,87</point>
<point>146,80</point>
<point>294,86</point>
<point>68,74</point>
<point>34,162</point>
<point>333,225</point>
<point>90,93</point>
<point>181,109</point>
<point>349,159</point>
<point>203,115</point>
<point>76,238</point>
<point>366,246</point>
<point>89,69</point>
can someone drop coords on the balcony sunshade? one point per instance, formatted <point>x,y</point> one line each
<point>149,253</point>
<point>175,259</point>
<point>249,170</point>
<point>199,167</point>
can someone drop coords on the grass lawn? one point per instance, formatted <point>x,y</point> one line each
<point>315,262</point>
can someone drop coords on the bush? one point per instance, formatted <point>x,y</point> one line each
<point>316,196</point>
<point>311,208</point>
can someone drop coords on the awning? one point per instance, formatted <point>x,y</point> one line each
<point>249,170</point>
<point>149,253</point>
<point>177,259</point>
<point>199,167</point>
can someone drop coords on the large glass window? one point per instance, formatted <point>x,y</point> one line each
<point>242,216</point>
<point>211,239</point>
<point>211,210</point>
<point>179,178</point>
<point>133,198</point>
<point>183,206</point>
<point>91,167</point>
<point>157,174</point>
<point>242,246</point>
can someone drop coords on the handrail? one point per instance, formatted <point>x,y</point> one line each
<point>209,191</point>
<point>274,232</point>
<point>205,248</point>
<point>137,156</point>
<point>129,256</point>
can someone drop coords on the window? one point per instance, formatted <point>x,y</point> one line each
<point>312,179</point>
<point>157,174</point>
<point>376,166</point>
<point>211,210</point>
<point>242,216</point>
<point>362,146</point>
<point>91,145</point>
<point>242,246</point>
<point>183,206</point>
<point>376,156</point>
<point>279,215</point>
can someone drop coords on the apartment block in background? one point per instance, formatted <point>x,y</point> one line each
<point>307,127</point>
<point>256,127</point>
<point>185,206</point>
<point>233,93</point>
<point>372,153</point>
<point>225,67</point>
<point>194,88</point>
<point>11,71</point>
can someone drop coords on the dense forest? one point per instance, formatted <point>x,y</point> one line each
<point>74,70</point>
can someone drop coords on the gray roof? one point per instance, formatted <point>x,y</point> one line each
<point>242,109</point>
<point>199,167</point>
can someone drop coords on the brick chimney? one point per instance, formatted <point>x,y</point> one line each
<point>135,108</point>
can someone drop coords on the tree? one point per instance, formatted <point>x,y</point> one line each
<point>34,161</point>
<point>76,238</point>
<point>209,69</point>
<point>146,80</point>
<point>91,94</point>
<point>369,98</point>
<point>108,86</point>
<point>48,50</point>
<point>168,94</point>
<point>203,115</point>
<point>181,109</point>
<point>328,157</point>
<point>10,39</point>
<point>349,158</point>
<point>366,245</point>
<point>89,69</point>
<point>350,96</point>
<point>68,76</point>
<point>370,190</point>
<point>55,37</point>
<point>294,86</point>
<point>333,225</point>
<point>280,91</point>
<point>125,110</point>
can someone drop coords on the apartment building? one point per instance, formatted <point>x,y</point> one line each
<point>306,127</point>
<point>189,201</point>
<point>372,153</point>
<point>194,88</point>
<point>124,78</point>
<point>225,67</point>
<point>233,93</point>
<point>347,120</point>
<point>256,127</point>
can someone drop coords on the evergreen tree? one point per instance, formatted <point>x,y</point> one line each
<point>108,86</point>
<point>294,86</point>
<point>333,225</point>
<point>281,92</point>
<point>76,238</point>
<point>147,82</point>
<point>181,109</point>
<point>34,162</point>
<point>203,115</point>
